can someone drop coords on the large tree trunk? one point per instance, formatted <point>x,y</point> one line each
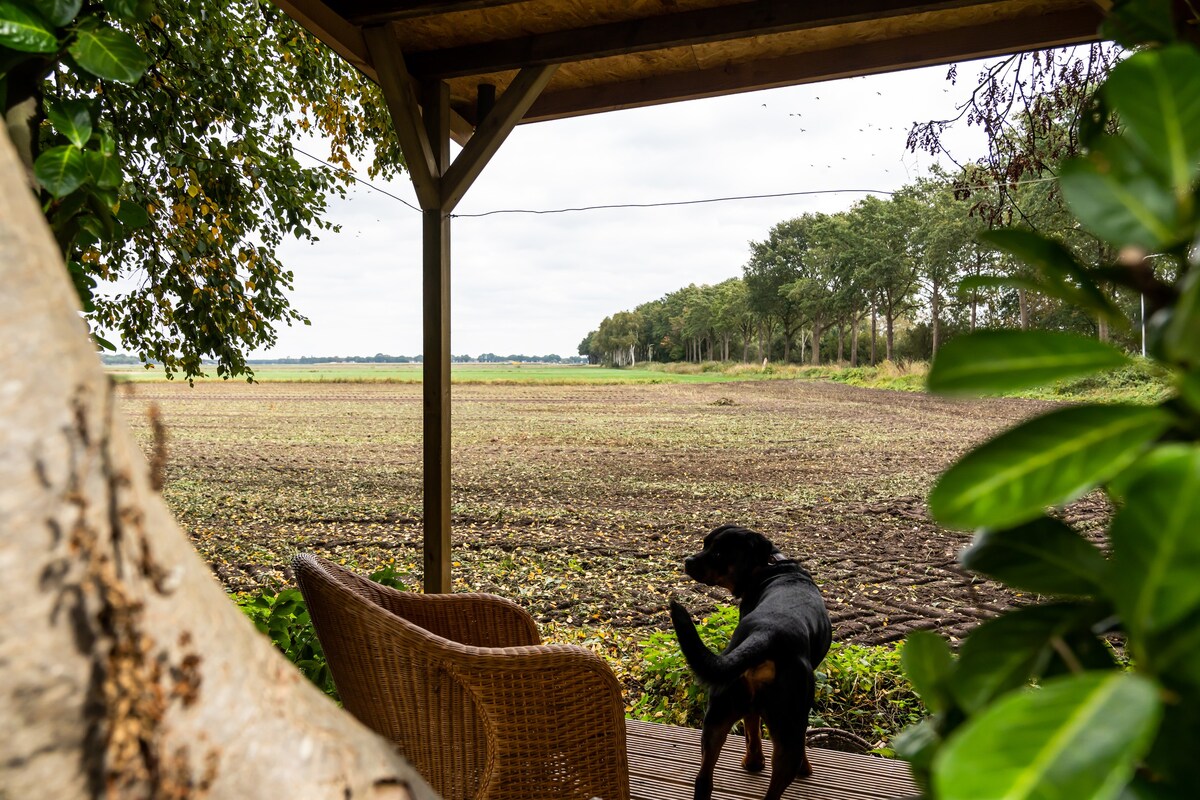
<point>816,344</point>
<point>874,333</point>
<point>127,670</point>
<point>854,344</point>
<point>975,292</point>
<point>1023,305</point>
<point>935,313</point>
<point>890,323</point>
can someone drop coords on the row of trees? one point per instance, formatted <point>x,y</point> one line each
<point>819,284</point>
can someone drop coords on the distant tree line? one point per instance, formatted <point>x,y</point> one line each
<point>888,278</point>
<point>121,359</point>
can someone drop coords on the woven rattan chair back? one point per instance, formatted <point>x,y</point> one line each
<point>462,686</point>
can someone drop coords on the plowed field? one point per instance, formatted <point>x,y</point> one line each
<point>580,502</point>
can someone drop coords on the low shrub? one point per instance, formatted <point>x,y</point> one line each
<point>1140,381</point>
<point>284,618</point>
<point>860,689</point>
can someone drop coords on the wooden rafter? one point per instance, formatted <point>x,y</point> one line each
<point>342,37</point>
<point>368,12</point>
<point>722,23</point>
<point>995,38</point>
<point>491,133</point>
<point>401,95</point>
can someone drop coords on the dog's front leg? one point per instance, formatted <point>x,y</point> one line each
<point>753,761</point>
<point>723,710</point>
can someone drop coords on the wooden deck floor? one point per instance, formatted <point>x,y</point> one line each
<point>663,762</point>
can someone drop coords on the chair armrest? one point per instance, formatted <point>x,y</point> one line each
<point>555,722</point>
<point>477,620</point>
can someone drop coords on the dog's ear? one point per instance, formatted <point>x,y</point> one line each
<point>717,531</point>
<point>761,547</point>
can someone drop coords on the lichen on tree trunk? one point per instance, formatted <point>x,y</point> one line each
<point>128,672</point>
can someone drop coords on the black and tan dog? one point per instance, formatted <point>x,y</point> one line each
<point>766,672</point>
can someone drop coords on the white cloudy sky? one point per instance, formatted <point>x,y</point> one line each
<point>536,284</point>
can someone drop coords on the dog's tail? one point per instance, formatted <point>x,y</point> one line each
<point>711,668</point>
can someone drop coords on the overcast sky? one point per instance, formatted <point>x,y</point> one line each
<point>537,284</point>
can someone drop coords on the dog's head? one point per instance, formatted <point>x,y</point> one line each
<point>731,557</point>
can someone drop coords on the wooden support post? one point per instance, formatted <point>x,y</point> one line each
<point>422,117</point>
<point>436,368</point>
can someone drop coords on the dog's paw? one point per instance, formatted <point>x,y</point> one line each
<point>754,762</point>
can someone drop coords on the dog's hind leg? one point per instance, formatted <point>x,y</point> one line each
<point>753,761</point>
<point>724,709</point>
<point>788,763</point>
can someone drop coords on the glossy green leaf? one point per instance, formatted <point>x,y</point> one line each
<point>1132,23</point>
<point>1115,198</point>
<point>1000,282</point>
<point>1173,656</point>
<point>1060,290</point>
<point>24,30</point>
<point>1171,761</point>
<point>1044,556</point>
<point>61,170</point>
<point>1047,461</point>
<point>105,171</point>
<point>1156,544</point>
<point>84,285</point>
<point>1067,278</point>
<point>1189,388</point>
<point>1181,337</point>
<point>1053,743</point>
<point>1009,651</point>
<point>59,12</point>
<point>129,10</point>
<point>918,744</point>
<point>1157,94</point>
<point>73,119</point>
<point>132,215</point>
<point>1093,119</point>
<point>928,664</point>
<point>994,361</point>
<point>110,54</point>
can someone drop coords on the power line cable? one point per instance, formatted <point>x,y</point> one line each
<point>354,177</point>
<point>670,202</point>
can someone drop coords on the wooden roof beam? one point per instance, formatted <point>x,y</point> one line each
<point>367,12</point>
<point>343,38</point>
<point>919,50</point>
<point>492,132</point>
<point>754,18</point>
<point>347,41</point>
<point>400,92</point>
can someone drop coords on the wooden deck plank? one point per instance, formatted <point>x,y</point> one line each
<point>663,760</point>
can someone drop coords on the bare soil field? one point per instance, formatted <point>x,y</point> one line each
<point>580,502</point>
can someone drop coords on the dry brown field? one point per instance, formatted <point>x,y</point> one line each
<point>579,502</point>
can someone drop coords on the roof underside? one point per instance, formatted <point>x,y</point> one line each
<point>625,53</point>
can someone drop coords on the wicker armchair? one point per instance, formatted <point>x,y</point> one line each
<point>462,685</point>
